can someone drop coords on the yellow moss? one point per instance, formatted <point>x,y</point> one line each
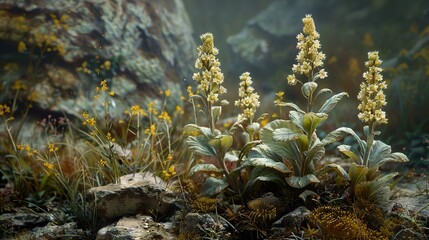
<point>204,204</point>
<point>336,223</point>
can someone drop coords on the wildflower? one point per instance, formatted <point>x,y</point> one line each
<point>49,166</point>
<point>110,138</point>
<point>248,100</point>
<point>179,110</point>
<point>151,108</point>
<point>103,86</point>
<point>309,58</point>
<point>164,115</point>
<point>4,109</point>
<point>112,93</point>
<point>89,122</point>
<point>210,77</point>
<point>371,95</point>
<point>52,148</point>
<point>107,64</point>
<point>22,47</point>
<point>137,110</point>
<point>167,93</point>
<point>171,171</point>
<point>150,130</point>
<point>189,90</point>
<point>102,162</point>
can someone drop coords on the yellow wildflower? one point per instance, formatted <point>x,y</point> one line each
<point>90,122</point>
<point>189,90</point>
<point>107,64</point>
<point>179,110</point>
<point>167,93</point>
<point>137,110</point>
<point>102,162</point>
<point>22,47</point>
<point>4,109</point>
<point>151,130</point>
<point>164,115</point>
<point>112,93</point>
<point>49,166</point>
<point>52,148</point>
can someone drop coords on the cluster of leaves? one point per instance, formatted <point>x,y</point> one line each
<point>289,152</point>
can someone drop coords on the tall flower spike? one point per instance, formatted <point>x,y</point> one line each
<point>248,100</point>
<point>210,76</point>
<point>371,95</point>
<point>309,61</point>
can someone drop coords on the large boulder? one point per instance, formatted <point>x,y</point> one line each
<point>141,193</point>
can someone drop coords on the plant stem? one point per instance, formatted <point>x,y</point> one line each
<point>369,142</point>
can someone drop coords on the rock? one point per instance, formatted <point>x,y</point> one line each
<point>140,47</point>
<point>293,219</point>
<point>269,32</point>
<point>143,193</point>
<point>54,232</point>
<point>196,223</point>
<point>419,204</point>
<point>22,220</point>
<point>137,227</point>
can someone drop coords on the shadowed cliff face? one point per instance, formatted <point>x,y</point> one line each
<point>147,45</point>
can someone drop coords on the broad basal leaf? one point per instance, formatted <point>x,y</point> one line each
<point>200,145</point>
<point>311,120</point>
<point>379,152</point>
<point>193,130</point>
<point>292,105</point>
<point>349,152</point>
<point>332,102</point>
<point>205,168</point>
<point>287,134</point>
<point>334,168</point>
<point>267,163</point>
<point>213,186</point>
<point>337,135</point>
<point>222,142</point>
<point>357,174</point>
<point>300,182</point>
<point>246,149</point>
<point>296,118</point>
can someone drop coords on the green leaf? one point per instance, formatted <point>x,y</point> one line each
<point>337,135</point>
<point>267,163</point>
<point>213,186</point>
<point>311,120</point>
<point>246,149</point>
<point>300,182</point>
<point>336,168</point>
<point>332,102</point>
<point>307,193</point>
<point>232,156</point>
<point>206,168</point>
<point>216,111</point>
<point>296,118</point>
<point>347,150</point>
<point>194,129</point>
<point>200,145</point>
<point>292,105</point>
<point>379,152</point>
<point>376,192</point>
<point>287,150</point>
<point>287,134</point>
<point>308,88</point>
<point>357,174</point>
<point>323,90</point>
<point>222,142</point>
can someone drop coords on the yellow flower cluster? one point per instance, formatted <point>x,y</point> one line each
<point>4,109</point>
<point>248,99</point>
<point>309,58</point>
<point>137,110</point>
<point>52,148</point>
<point>49,166</point>
<point>164,115</point>
<point>211,77</point>
<point>170,172</point>
<point>279,99</point>
<point>150,130</point>
<point>371,95</point>
<point>110,137</point>
<point>26,148</point>
<point>102,162</point>
<point>88,121</point>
